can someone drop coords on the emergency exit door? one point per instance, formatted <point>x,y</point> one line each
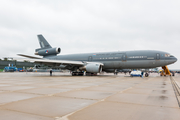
<point>124,57</point>
<point>157,56</point>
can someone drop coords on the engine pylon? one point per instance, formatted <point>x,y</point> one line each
<point>166,71</point>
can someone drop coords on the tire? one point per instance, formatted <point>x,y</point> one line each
<point>146,75</point>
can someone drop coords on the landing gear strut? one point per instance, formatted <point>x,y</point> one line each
<point>115,72</point>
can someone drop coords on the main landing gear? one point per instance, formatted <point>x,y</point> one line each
<point>82,73</point>
<point>115,73</point>
<point>91,74</point>
<point>77,73</point>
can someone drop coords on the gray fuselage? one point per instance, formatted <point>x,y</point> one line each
<point>123,59</point>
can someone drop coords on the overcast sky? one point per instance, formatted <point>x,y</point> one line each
<point>79,26</point>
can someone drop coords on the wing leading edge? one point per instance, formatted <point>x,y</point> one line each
<point>28,56</point>
<point>60,62</point>
<point>51,62</point>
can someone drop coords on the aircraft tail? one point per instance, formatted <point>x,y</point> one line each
<point>43,42</point>
<point>46,50</point>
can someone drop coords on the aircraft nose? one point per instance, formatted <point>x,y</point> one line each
<point>171,60</point>
<point>174,59</point>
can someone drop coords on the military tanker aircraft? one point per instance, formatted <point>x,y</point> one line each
<point>93,63</point>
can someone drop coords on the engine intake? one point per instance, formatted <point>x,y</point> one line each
<point>48,51</point>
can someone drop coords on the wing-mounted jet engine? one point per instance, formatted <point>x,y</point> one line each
<point>92,68</point>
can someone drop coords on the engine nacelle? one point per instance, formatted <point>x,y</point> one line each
<point>48,51</point>
<point>92,68</point>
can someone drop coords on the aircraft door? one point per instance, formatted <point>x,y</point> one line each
<point>90,58</point>
<point>123,57</point>
<point>157,56</point>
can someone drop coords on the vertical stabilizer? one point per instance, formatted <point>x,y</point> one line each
<point>43,42</point>
<point>45,49</point>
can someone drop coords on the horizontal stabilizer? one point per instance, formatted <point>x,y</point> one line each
<point>28,56</point>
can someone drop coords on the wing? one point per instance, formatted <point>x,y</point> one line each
<point>57,62</point>
<point>64,64</point>
<point>49,62</point>
<point>28,56</point>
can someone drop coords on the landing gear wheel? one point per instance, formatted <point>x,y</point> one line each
<point>72,73</point>
<point>115,73</point>
<point>147,75</point>
<point>91,74</point>
<point>77,73</point>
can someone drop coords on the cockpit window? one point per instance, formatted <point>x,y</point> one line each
<point>171,56</point>
<point>167,55</point>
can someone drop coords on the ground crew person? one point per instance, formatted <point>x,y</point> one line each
<point>142,74</point>
<point>50,72</point>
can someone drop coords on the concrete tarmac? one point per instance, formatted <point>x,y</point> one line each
<point>38,96</point>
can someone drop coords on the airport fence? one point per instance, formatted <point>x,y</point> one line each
<point>3,64</point>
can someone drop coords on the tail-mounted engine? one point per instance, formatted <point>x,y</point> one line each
<point>48,51</point>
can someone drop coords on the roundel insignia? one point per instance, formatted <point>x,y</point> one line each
<point>46,51</point>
